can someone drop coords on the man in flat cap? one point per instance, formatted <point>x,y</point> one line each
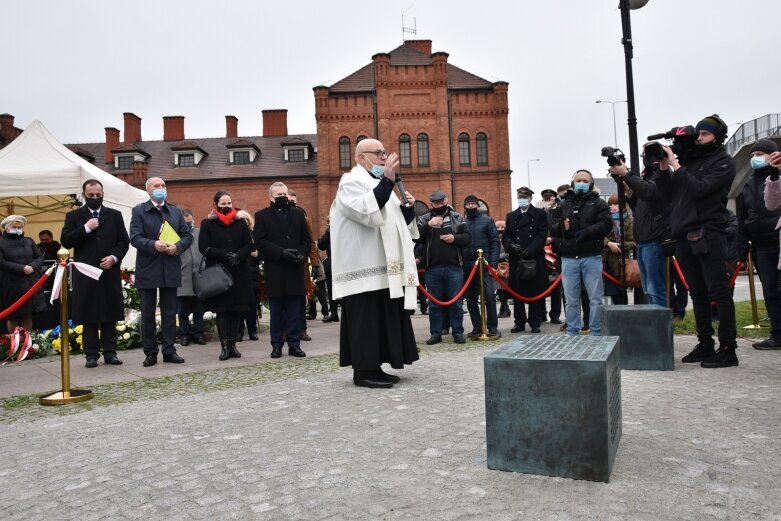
<point>443,234</point>
<point>524,239</point>
<point>484,237</point>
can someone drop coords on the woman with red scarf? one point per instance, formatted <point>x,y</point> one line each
<point>225,238</point>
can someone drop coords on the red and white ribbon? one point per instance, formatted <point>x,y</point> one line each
<point>90,271</point>
<point>21,342</point>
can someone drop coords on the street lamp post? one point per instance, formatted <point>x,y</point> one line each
<point>613,104</point>
<point>528,171</point>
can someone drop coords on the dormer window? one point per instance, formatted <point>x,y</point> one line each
<point>188,154</point>
<point>242,152</point>
<point>124,162</point>
<point>126,155</point>
<point>295,155</point>
<point>297,150</point>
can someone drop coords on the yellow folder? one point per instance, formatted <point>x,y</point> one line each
<point>168,234</point>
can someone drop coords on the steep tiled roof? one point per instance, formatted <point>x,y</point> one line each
<point>362,80</point>
<point>86,154</point>
<point>270,163</point>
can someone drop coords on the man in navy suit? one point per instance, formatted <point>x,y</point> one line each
<point>99,238</point>
<point>158,267</point>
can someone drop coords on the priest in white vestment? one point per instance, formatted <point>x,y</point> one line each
<point>373,267</point>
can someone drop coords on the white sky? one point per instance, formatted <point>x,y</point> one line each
<point>77,65</point>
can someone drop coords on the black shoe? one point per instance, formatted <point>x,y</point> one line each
<point>373,383</point>
<point>494,333</point>
<point>112,360</point>
<point>253,336</point>
<point>392,378</point>
<point>518,329</point>
<point>331,318</point>
<point>424,312</point>
<point>459,339</point>
<point>91,363</point>
<point>233,352</point>
<point>311,317</point>
<point>555,321</point>
<point>185,341</point>
<point>150,360</point>
<point>412,312</point>
<point>535,330</point>
<point>224,350</point>
<point>474,333</point>
<point>276,352</point>
<point>296,351</point>
<point>435,339</point>
<point>504,314</point>
<point>304,336</point>
<point>767,345</point>
<point>699,353</point>
<point>173,358</point>
<point>200,340</point>
<point>240,337</point>
<point>724,357</point>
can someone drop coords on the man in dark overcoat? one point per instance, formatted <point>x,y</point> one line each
<point>98,237</point>
<point>283,240</point>
<point>524,238</point>
<point>158,267</point>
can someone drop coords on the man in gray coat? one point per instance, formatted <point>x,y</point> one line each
<point>158,266</point>
<point>187,303</point>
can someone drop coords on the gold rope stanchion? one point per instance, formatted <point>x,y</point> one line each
<point>669,281</point>
<point>66,395</point>
<point>752,291</point>
<point>481,267</point>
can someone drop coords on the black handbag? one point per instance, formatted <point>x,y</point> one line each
<point>527,269</point>
<point>212,281</point>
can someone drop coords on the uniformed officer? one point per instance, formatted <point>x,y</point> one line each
<point>524,239</point>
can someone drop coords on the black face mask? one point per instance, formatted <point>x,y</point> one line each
<point>293,204</point>
<point>224,210</point>
<point>93,203</point>
<point>439,211</point>
<point>471,212</point>
<point>282,201</point>
<point>706,149</point>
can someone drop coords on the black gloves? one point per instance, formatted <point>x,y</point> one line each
<point>516,249</point>
<point>291,255</point>
<point>232,258</point>
<point>774,174</point>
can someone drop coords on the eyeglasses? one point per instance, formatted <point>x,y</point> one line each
<point>379,153</point>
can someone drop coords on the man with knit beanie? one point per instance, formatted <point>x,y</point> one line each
<point>698,220</point>
<point>757,226</point>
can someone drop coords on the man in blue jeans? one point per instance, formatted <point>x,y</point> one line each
<point>579,231</point>
<point>443,234</point>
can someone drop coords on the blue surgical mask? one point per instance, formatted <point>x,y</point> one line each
<point>581,186</point>
<point>158,194</point>
<point>523,203</point>
<point>377,171</point>
<point>758,162</point>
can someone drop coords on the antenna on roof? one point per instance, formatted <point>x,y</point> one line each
<point>405,29</point>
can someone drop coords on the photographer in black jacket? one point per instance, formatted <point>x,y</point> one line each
<point>578,231</point>
<point>757,224</point>
<point>649,202</point>
<point>698,219</point>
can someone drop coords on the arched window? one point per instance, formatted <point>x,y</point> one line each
<point>481,141</point>
<point>422,150</point>
<point>360,138</point>
<point>344,152</point>
<point>405,150</point>
<point>463,149</point>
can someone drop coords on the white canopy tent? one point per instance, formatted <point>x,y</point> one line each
<point>41,179</point>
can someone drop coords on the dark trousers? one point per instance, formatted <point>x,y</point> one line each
<point>167,320</point>
<point>473,302</point>
<point>707,278</point>
<point>107,342</point>
<point>555,303</point>
<point>329,287</point>
<point>679,295</point>
<point>190,305</point>
<point>286,320</point>
<point>767,266</point>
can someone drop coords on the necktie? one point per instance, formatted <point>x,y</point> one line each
<point>95,214</point>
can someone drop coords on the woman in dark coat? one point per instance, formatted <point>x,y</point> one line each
<point>20,268</point>
<point>225,238</point>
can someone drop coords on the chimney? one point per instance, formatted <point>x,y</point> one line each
<point>173,128</point>
<point>132,128</point>
<point>423,46</point>
<point>232,126</point>
<point>6,128</point>
<point>139,175</point>
<point>275,123</point>
<point>112,142</point>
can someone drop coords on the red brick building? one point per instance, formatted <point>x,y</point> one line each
<point>448,126</point>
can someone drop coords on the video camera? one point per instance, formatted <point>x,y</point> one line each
<point>683,139</point>
<point>614,156</point>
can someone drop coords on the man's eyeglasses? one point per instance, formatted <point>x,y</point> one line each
<point>382,154</point>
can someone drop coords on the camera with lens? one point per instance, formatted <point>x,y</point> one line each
<point>654,152</point>
<point>614,156</point>
<point>683,139</point>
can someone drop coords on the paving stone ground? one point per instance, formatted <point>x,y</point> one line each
<point>296,440</point>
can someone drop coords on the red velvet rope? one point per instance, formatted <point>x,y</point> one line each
<point>732,278</point>
<point>519,297</point>
<point>612,279</point>
<point>454,299</point>
<point>30,292</point>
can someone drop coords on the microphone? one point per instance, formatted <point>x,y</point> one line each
<point>660,135</point>
<point>402,192</point>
